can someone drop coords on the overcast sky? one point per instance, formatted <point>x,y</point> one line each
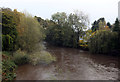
<point>45,8</point>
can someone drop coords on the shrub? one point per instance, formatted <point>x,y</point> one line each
<point>41,57</point>
<point>8,68</point>
<point>20,57</point>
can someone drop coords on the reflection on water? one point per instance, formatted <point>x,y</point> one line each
<point>72,64</point>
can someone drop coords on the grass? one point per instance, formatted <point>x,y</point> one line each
<point>43,57</point>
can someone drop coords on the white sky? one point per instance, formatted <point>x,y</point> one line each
<point>45,8</point>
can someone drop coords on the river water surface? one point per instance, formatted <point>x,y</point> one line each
<point>72,64</point>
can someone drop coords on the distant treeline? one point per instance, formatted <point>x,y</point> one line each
<point>65,30</point>
<point>72,31</point>
<point>68,30</point>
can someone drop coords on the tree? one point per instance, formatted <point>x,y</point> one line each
<point>9,32</point>
<point>100,24</point>
<point>116,27</point>
<point>67,28</point>
<point>103,42</point>
<point>108,24</point>
<point>42,22</point>
<point>94,26</point>
<point>32,33</point>
<point>59,18</point>
<point>79,22</point>
<point>61,36</point>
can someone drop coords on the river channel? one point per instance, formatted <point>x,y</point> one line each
<point>72,64</point>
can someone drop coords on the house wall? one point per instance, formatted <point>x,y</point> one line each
<point>119,10</point>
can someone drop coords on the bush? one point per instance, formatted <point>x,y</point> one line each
<point>103,42</point>
<point>20,57</point>
<point>41,57</point>
<point>8,68</point>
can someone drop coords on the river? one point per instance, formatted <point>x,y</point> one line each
<point>72,64</point>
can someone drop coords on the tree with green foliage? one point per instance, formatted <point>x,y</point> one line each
<point>68,28</point>
<point>78,21</point>
<point>32,33</point>
<point>59,18</point>
<point>9,32</point>
<point>62,36</point>
<point>99,24</point>
<point>56,30</point>
<point>103,42</point>
<point>42,22</point>
<point>102,25</point>
<point>116,28</point>
<point>108,24</point>
<point>94,26</point>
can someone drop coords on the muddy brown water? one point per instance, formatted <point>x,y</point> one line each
<point>72,64</point>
